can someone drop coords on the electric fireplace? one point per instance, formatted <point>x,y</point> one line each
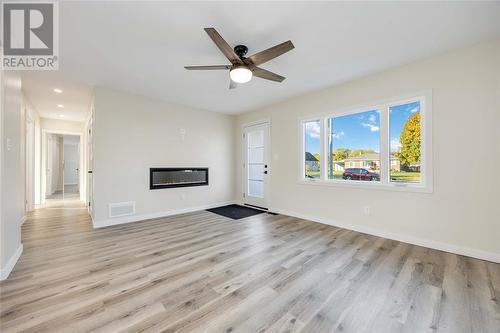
<point>177,177</point>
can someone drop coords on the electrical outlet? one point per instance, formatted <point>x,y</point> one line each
<point>367,210</point>
<point>183,196</point>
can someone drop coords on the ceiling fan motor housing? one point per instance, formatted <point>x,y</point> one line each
<point>241,50</point>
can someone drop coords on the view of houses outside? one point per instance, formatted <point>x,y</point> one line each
<point>354,142</point>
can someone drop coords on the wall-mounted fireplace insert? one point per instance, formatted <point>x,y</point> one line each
<point>177,177</point>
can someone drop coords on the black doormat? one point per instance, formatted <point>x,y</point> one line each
<point>235,212</point>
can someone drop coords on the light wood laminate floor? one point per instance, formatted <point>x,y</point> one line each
<point>201,272</point>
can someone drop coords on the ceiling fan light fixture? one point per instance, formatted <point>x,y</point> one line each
<point>242,69</point>
<point>240,74</point>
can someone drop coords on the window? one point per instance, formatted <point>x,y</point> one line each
<point>312,149</point>
<point>380,146</point>
<point>354,142</point>
<point>405,142</point>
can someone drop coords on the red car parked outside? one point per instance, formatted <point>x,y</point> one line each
<point>360,174</point>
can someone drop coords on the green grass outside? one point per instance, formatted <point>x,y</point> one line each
<point>313,174</point>
<point>413,177</point>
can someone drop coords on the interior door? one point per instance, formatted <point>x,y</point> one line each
<point>30,161</point>
<point>90,167</point>
<point>256,165</point>
<point>77,169</point>
<point>49,163</point>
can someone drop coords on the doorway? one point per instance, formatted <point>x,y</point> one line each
<point>256,165</point>
<point>71,166</point>
<point>62,166</point>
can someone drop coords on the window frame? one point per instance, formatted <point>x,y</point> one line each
<point>426,175</point>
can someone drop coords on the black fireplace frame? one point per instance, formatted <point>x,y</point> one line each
<point>158,187</point>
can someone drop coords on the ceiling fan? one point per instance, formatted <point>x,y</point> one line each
<point>242,69</point>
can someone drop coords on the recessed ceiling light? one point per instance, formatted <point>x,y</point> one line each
<point>57,90</point>
<point>60,105</point>
<point>61,115</point>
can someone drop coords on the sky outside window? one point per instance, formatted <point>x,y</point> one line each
<point>359,131</point>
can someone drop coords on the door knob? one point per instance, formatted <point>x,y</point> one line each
<point>265,172</point>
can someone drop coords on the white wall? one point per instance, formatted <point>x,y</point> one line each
<point>71,162</point>
<point>132,134</point>
<point>30,111</point>
<point>3,274</point>
<point>463,212</point>
<point>12,172</point>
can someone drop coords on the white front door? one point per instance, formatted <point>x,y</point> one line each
<point>256,164</point>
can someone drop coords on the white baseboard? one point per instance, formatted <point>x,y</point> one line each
<point>464,251</point>
<point>5,271</point>
<point>142,217</point>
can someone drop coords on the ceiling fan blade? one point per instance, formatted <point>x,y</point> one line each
<point>223,46</point>
<point>265,74</point>
<point>271,53</point>
<point>232,84</point>
<point>212,67</point>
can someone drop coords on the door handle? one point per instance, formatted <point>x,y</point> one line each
<point>90,171</point>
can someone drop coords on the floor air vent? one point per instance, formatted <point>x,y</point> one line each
<point>119,209</point>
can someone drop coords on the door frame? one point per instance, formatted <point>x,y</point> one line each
<point>243,166</point>
<point>44,154</point>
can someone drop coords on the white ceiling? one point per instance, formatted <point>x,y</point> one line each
<point>39,87</point>
<point>141,47</point>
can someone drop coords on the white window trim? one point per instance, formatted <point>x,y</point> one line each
<point>426,185</point>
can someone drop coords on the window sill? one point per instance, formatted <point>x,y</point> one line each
<point>368,185</point>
